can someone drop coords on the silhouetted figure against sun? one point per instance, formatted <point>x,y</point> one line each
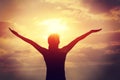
<point>54,56</point>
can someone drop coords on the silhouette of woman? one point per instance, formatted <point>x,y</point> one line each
<point>54,56</point>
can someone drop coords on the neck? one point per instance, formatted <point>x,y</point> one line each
<point>53,47</point>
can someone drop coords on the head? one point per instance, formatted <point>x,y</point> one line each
<point>53,40</point>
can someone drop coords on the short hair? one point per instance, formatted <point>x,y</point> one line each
<point>53,39</point>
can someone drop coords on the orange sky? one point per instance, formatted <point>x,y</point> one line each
<point>35,18</point>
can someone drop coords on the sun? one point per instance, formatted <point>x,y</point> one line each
<point>54,25</point>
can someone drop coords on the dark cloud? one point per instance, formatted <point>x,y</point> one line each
<point>107,52</point>
<point>107,59</point>
<point>114,37</point>
<point>8,9</point>
<point>8,67</point>
<point>98,6</point>
<point>104,61</point>
<point>109,37</point>
<point>112,72</point>
<point>20,65</point>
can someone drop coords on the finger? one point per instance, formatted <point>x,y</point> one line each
<point>10,29</point>
<point>100,29</point>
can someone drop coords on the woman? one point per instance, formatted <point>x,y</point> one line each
<point>54,56</point>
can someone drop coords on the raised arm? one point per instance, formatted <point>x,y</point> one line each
<point>68,47</point>
<point>35,45</point>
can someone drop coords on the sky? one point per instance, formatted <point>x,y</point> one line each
<point>97,57</point>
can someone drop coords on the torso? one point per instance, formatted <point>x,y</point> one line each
<point>55,63</point>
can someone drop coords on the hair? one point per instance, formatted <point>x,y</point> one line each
<point>53,39</point>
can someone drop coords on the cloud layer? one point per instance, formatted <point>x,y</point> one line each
<point>97,54</point>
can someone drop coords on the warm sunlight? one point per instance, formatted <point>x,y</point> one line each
<point>54,25</point>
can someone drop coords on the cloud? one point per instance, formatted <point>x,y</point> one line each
<point>104,62</point>
<point>111,72</point>
<point>114,36</point>
<point>107,38</point>
<point>17,65</point>
<point>4,29</point>
<point>99,50</point>
<point>115,14</point>
<point>109,54</point>
<point>7,6</point>
<point>99,6</point>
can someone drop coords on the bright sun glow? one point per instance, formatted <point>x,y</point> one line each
<point>55,25</point>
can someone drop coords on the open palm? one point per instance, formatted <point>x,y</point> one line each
<point>96,30</point>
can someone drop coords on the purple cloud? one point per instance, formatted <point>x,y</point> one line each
<point>99,6</point>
